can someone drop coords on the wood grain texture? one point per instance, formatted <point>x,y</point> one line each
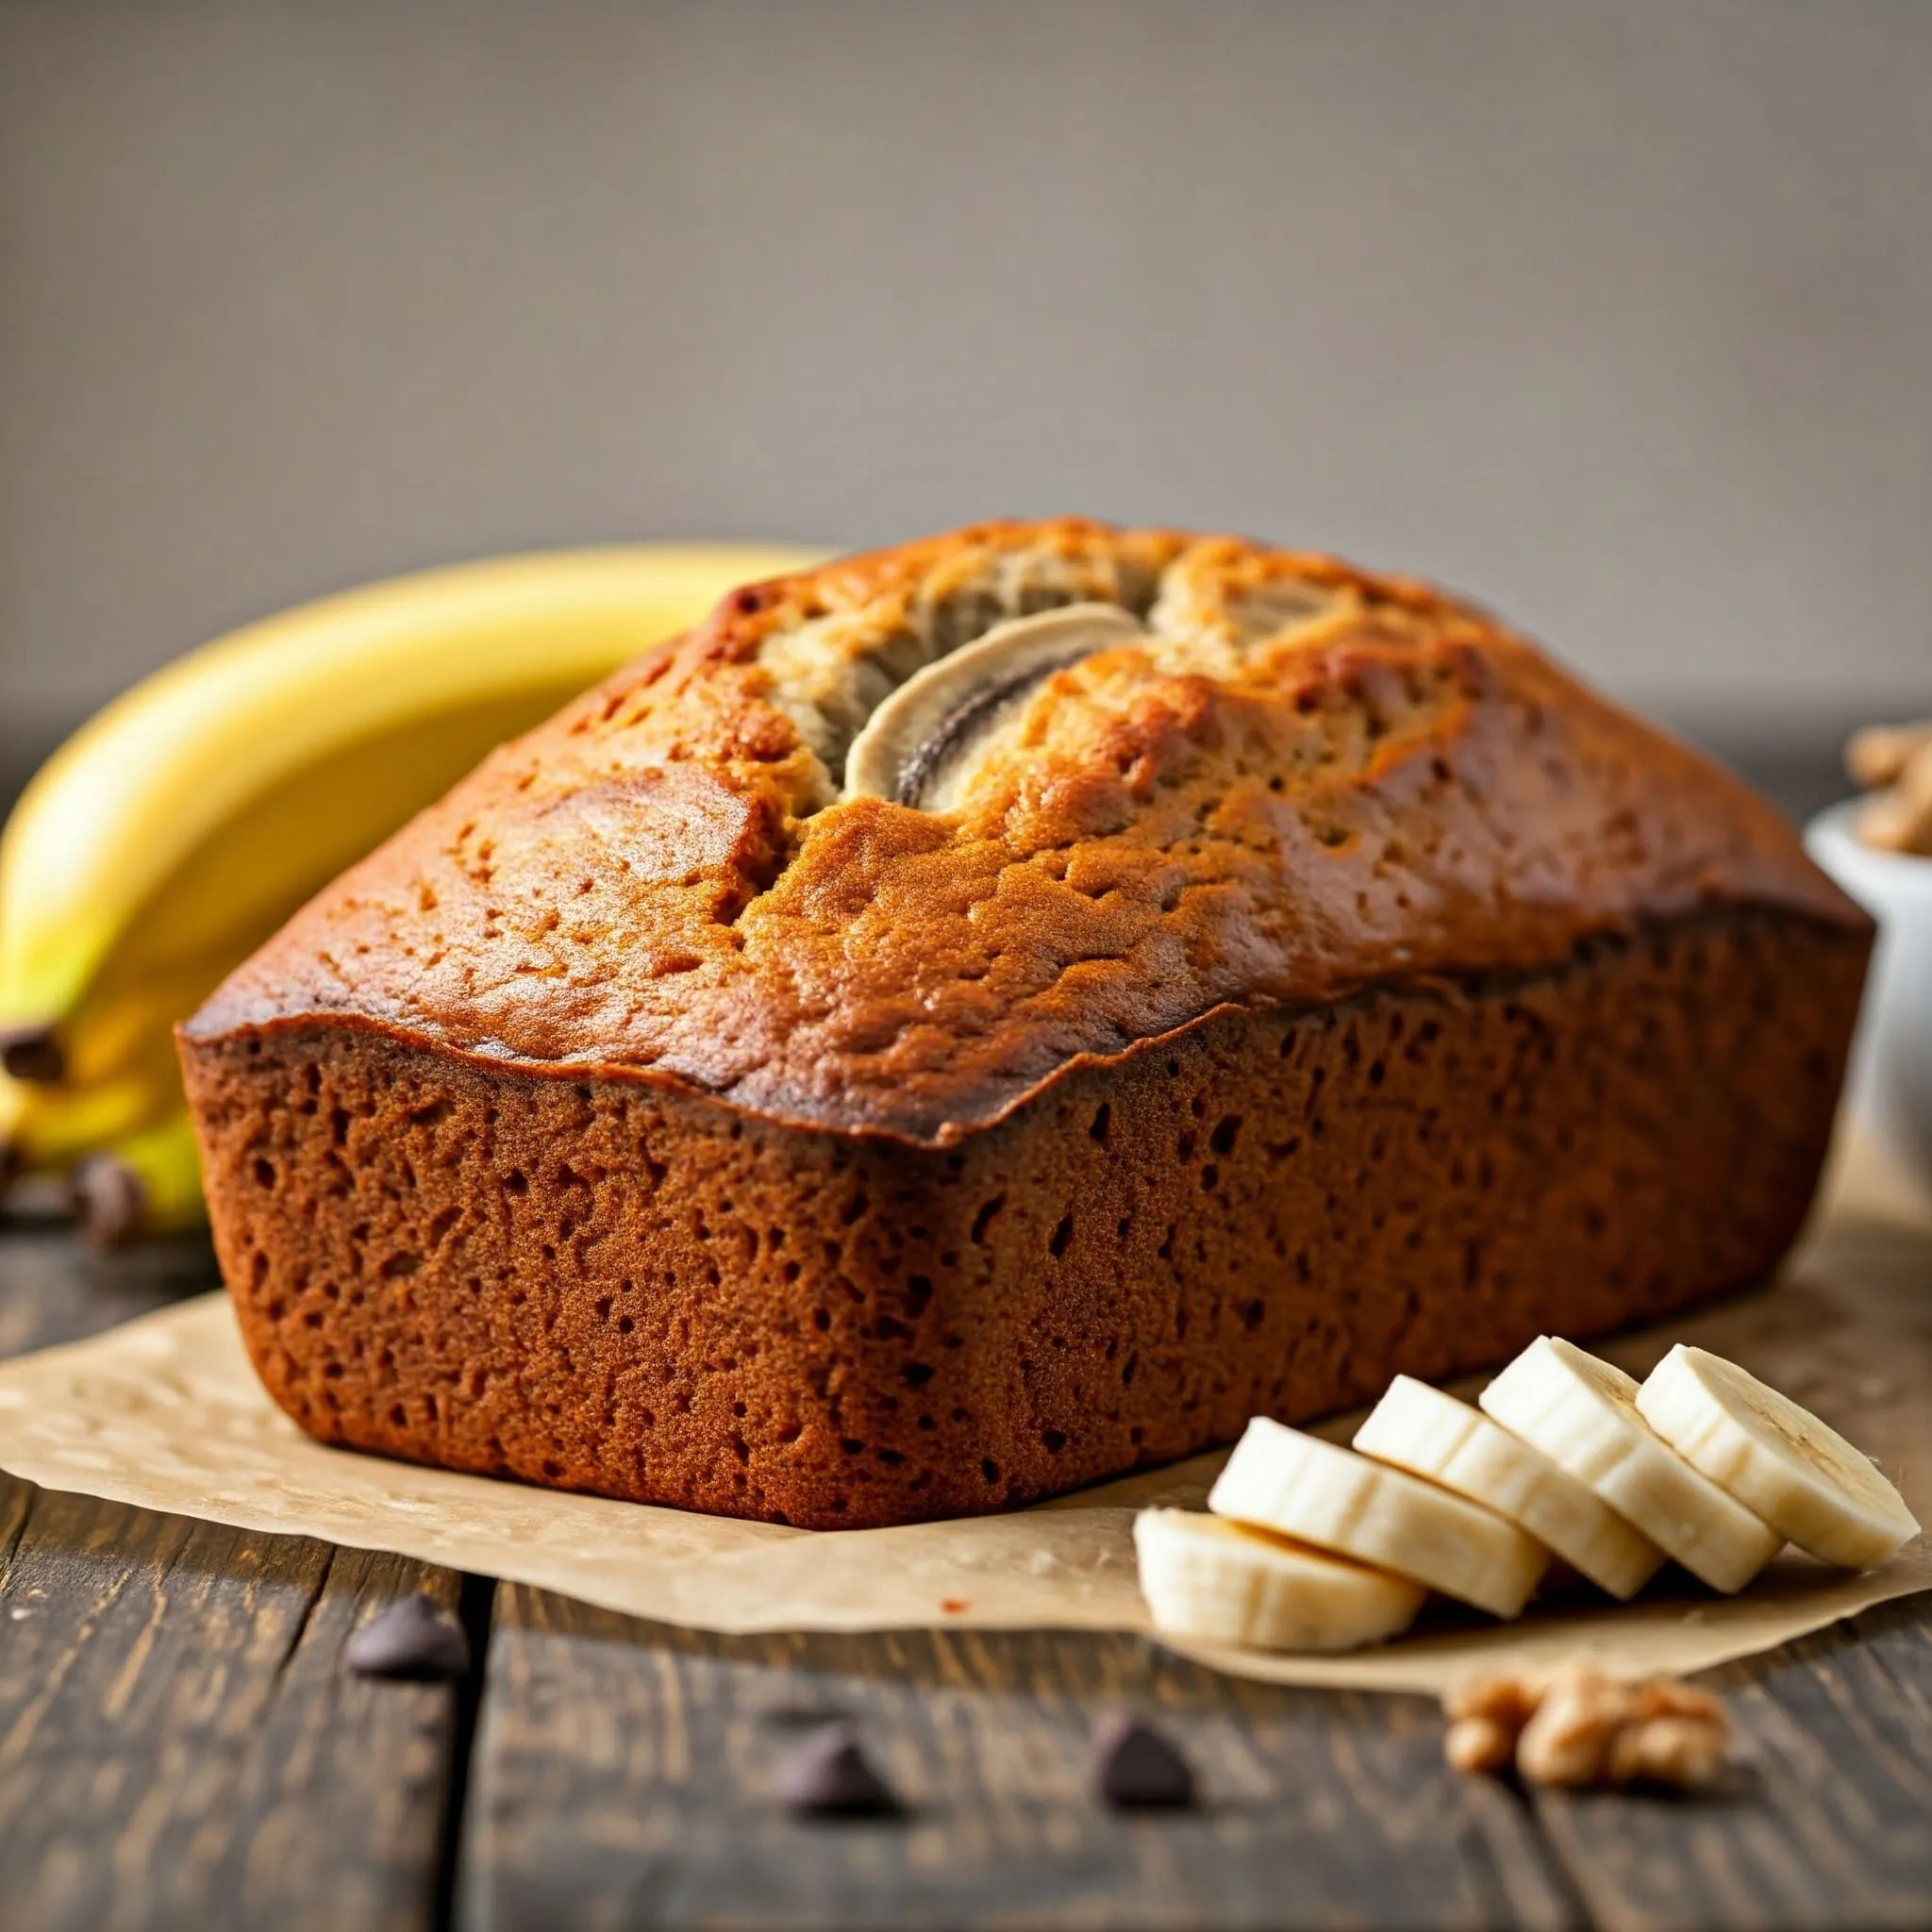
<point>179,1743</point>
<point>179,1746</point>
<point>53,1290</point>
<point>1826,1818</point>
<point>623,1775</point>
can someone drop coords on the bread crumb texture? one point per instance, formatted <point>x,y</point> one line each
<point>615,1288</point>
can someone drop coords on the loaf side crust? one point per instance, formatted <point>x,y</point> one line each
<point>606,1283</point>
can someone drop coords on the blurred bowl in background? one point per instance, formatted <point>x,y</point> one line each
<point>1891,1087</point>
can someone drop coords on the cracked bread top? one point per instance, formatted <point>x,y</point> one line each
<point>1253,776</point>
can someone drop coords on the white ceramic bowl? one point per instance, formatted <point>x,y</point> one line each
<point>1892,1057</point>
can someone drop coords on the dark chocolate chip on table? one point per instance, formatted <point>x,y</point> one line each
<point>1135,1768</point>
<point>108,1200</point>
<point>415,1638</point>
<point>828,1776</point>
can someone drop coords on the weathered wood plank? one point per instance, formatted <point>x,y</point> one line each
<point>344,1798</point>
<point>179,1743</point>
<point>1827,1821</point>
<point>622,1776</point>
<point>53,1290</point>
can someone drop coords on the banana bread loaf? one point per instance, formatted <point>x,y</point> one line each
<point>980,1017</point>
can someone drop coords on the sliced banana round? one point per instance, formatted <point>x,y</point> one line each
<point>1299,1486</point>
<point>1204,1577</point>
<point>912,746</point>
<point>1777,1460</point>
<point>1430,1434</point>
<point>1582,1414</point>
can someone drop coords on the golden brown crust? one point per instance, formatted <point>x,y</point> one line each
<point>1308,780</point>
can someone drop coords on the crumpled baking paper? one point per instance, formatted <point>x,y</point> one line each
<point>166,1413</point>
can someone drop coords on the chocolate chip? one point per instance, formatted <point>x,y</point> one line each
<point>416,1638</point>
<point>1135,1768</point>
<point>828,1776</point>
<point>108,1200</point>
<point>32,1053</point>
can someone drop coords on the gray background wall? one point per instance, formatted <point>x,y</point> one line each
<point>1617,314</point>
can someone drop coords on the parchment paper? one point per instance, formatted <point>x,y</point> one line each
<point>166,1413</point>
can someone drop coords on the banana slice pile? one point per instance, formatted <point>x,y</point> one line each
<point>1310,1546</point>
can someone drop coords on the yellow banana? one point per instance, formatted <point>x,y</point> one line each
<point>121,1026</point>
<point>176,831</point>
<point>54,1127</point>
<point>197,811</point>
<point>119,1073</point>
<point>145,1183</point>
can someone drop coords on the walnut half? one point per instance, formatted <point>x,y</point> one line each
<point>1897,759</point>
<point>1574,1726</point>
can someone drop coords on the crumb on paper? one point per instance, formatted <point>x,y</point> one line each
<point>1574,1726</point>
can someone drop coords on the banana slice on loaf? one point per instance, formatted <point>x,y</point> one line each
<point>917,747</point>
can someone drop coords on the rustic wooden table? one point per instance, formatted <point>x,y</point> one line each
<point>180,1745</point>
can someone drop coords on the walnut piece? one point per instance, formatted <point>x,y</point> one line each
<point>1879,754</point>
<point>1897,818</point>
<point>1684,1752</point>
<point>1508,1702</point>
<point>1574,1726</point>
<point>1570,1738</point>
<point>1479,1745</point>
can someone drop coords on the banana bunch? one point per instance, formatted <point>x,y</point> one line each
<point>175,832</point>
<point>1310,1546</point>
